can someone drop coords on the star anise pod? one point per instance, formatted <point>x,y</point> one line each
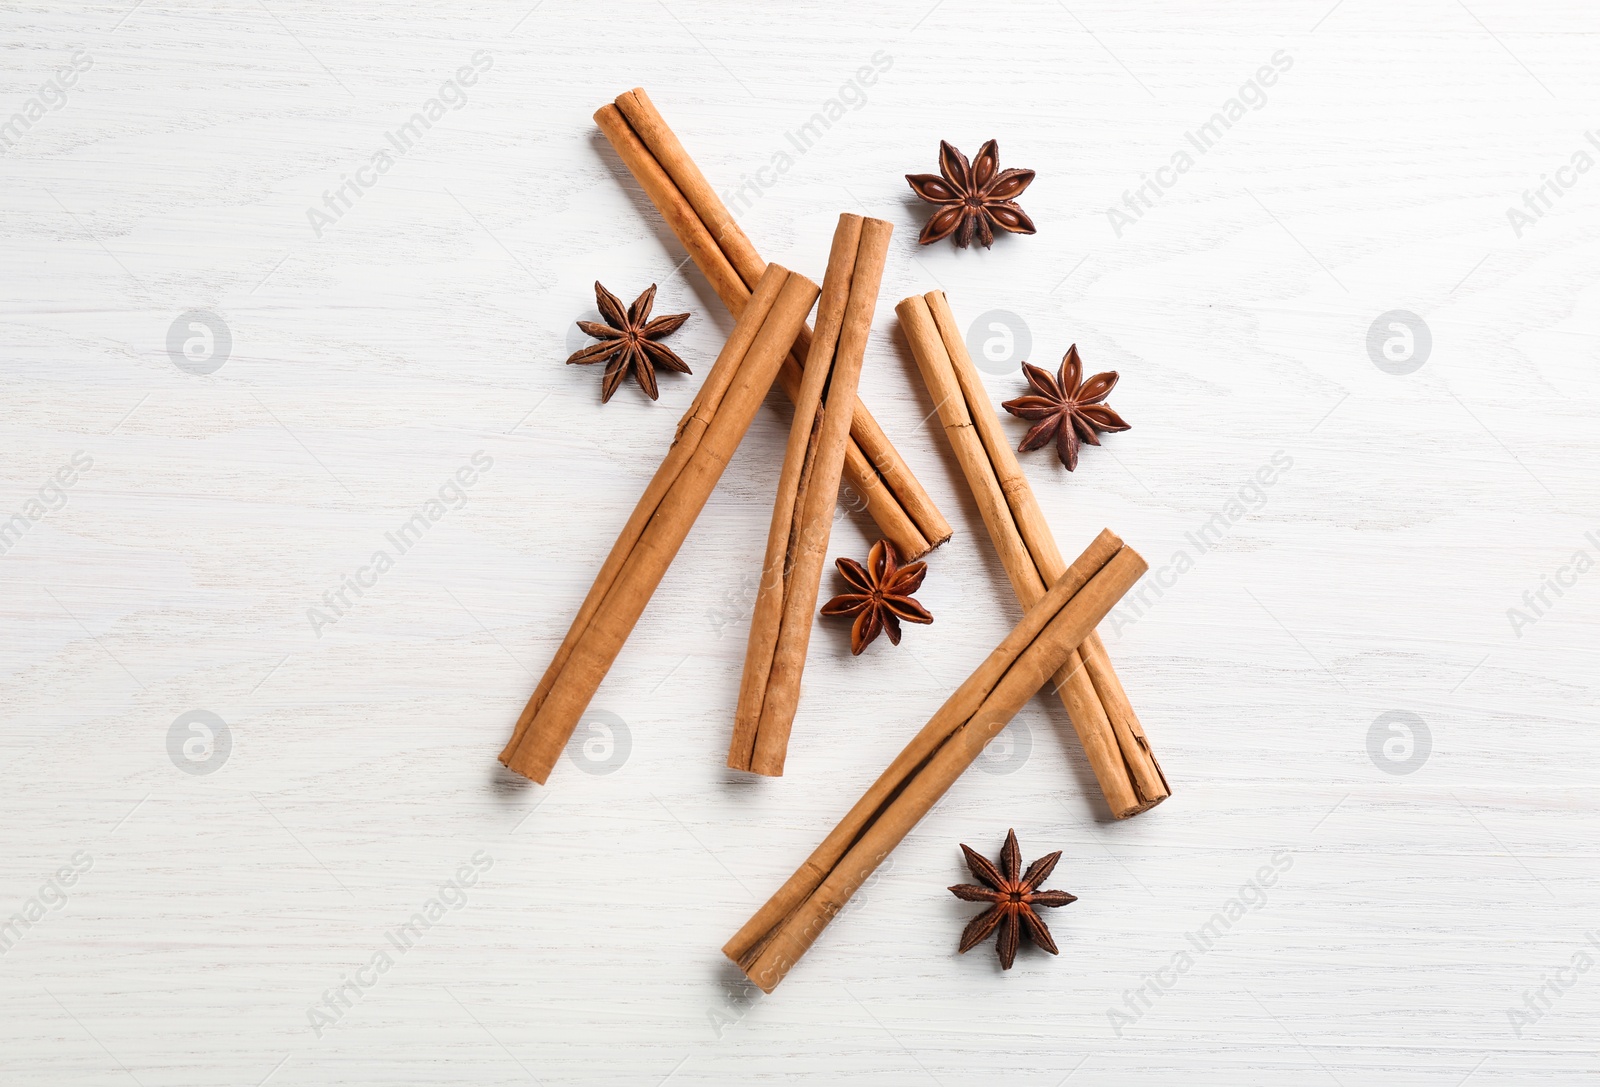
<point>972,199</point>
<point>628,342</point>
<point>1066,408</point>
<point>880,595</point>
<point>1014,896</point>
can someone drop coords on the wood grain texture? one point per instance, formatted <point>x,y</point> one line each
<point>429,321</point>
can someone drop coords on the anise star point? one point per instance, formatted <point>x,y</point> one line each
<point>880,596</point>
<point>974,199</point>
<point>628,342</point>
<point>1066,408</point>
<point>1014,899</point>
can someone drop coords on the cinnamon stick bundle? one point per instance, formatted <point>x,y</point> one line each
<point>686,200</point>
<point>1101,713</point>
<point>808,490</point>
<point>707,436</point>
<point>784,928</point>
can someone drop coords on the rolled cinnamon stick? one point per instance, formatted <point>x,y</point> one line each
<point>808,489</point>
<point>1096,702</point>
<point>646,120</point>
<point>707,436</point>
<point>781,931</point>
<point>653,154</point>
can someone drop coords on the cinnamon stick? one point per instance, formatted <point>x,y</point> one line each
<point>1096,702</point>
<point>784,928</point>
<point>808,489</point>
<point>653,154</point>
<point>707,436</point>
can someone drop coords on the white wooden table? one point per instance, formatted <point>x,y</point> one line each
<point>217,405</point>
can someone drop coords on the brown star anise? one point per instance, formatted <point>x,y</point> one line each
<point>972,198</point>
<point>628,342</point>
<point>1067,408</point>
<point>880,596</point>
<point>1013,895</point>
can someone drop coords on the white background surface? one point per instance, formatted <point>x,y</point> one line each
<point>431,322</point>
